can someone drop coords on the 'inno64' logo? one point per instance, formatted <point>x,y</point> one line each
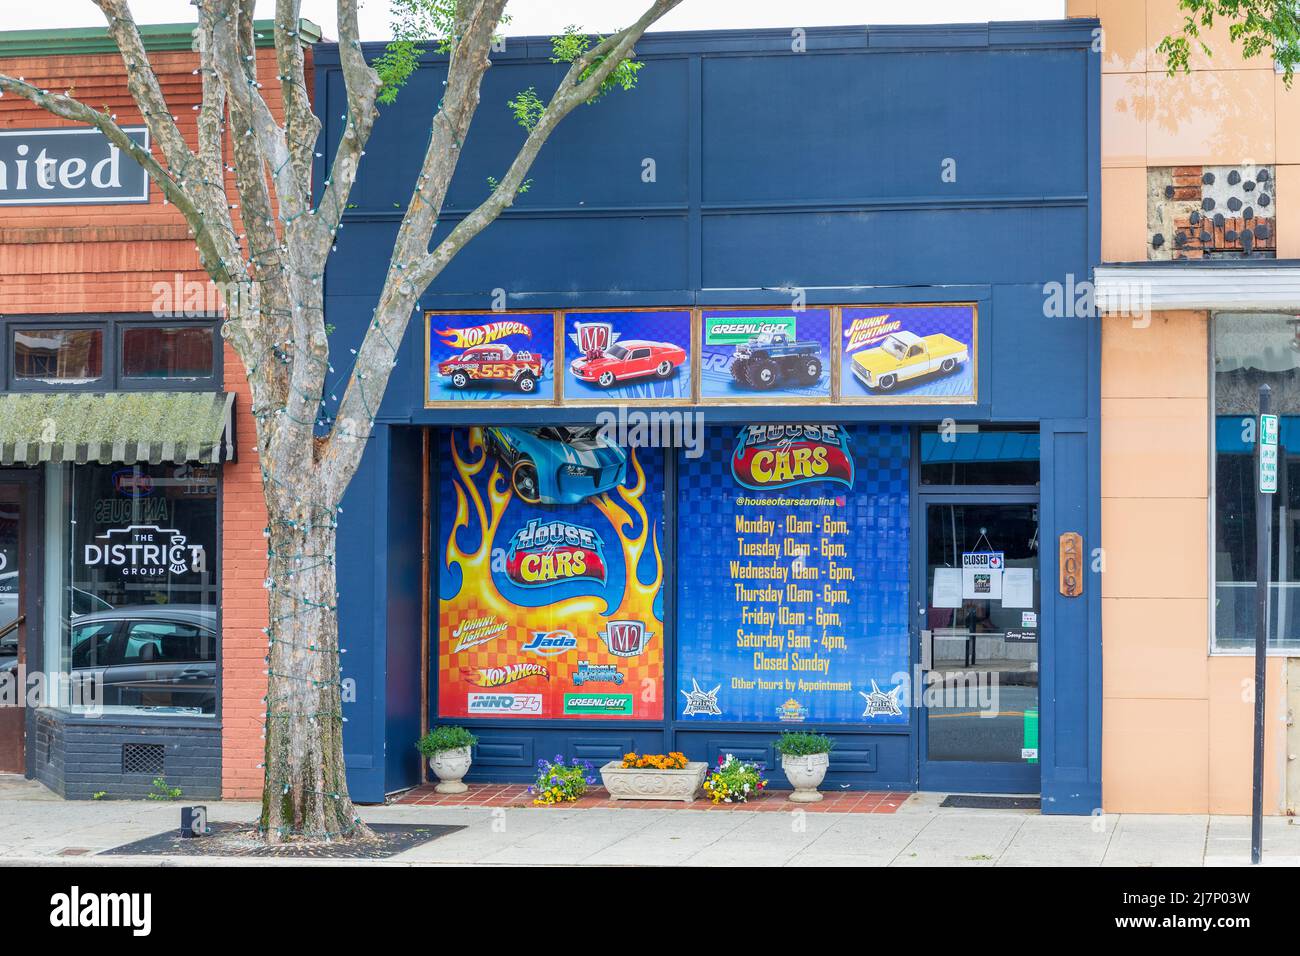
<point>145,550</point>
<point>625,638</point>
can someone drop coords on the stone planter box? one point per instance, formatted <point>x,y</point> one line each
<point>649,784</point>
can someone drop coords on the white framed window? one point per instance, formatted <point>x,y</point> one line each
<point>1247,351</point>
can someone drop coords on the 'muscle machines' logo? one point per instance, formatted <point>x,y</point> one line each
<point>145,551</point>
<point>768,457</point>
<point>547,552</point>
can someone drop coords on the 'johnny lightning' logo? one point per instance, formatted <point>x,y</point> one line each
<point>768,457</point>
<point>882,703</point>
<point>476,631</point>
<point>506,674</point>
<point>547,552</point>
<point>700,701</point>
<point>625,638</point>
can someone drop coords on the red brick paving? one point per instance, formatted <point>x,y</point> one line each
<point>516,795</point>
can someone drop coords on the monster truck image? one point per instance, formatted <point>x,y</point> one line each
<point>493,363</point>
<point>557,465</point>
<point>904,355</point>
<point>770,358</point>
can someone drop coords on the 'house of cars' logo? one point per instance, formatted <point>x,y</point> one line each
<point>768,457</point>
<point>547,552</point>
<point>141,550</point>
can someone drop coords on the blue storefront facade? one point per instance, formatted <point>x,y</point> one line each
<point>813,540</point>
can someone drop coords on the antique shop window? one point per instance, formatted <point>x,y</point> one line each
<point>65,356</point>
<point>1250,350</point>
<point>131,588</point>
<point>167,352</point>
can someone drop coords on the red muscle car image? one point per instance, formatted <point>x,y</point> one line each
<point>493,363</point>
<point>628,359</point>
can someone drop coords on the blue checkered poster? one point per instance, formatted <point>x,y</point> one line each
<point>792,558</point>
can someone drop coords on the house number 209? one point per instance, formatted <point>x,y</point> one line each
<point>1071,564</point>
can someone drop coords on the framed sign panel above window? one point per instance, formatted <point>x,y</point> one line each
<point>766,355</point>
<point>505,357</point>
<point>909,354</point>
<point>638,355</point>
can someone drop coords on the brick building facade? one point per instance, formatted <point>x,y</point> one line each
<point>73,264</point>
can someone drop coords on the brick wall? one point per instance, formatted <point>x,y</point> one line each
<point>243,603</point>
<point>70,259</point>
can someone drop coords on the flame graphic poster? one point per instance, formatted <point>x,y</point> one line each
<point>550,575</point>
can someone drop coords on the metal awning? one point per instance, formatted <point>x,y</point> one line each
<point>125,427</point>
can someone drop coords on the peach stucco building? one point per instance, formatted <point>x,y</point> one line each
<point>1200,293</point>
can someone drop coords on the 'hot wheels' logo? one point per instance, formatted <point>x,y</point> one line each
<point>548,552</point>
<point>481,334</point>
<point>777,456</point>
<point>507,674</point>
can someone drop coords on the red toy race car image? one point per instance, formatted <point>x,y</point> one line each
<point>493,363</point>
<point>628,359</point>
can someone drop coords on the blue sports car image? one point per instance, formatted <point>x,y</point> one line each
<point>557,465</point>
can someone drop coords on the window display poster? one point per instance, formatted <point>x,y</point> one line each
<point>762,354</point>
<point>921,353</point>
<point>550,575</point>
<point>793,553</point>
<point>626,356</point>
<point>487,356</point>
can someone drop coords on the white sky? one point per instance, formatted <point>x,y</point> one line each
<point>544,17</point>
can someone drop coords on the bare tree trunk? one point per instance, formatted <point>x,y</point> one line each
<point>306,791</point>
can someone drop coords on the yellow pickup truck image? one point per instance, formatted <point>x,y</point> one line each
<point>904,355</point>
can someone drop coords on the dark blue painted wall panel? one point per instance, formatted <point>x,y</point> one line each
<point>818,170</point>
<point>863,125</point>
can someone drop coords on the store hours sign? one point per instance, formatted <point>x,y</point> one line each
<point>41,167</point>
<point>793,561</point>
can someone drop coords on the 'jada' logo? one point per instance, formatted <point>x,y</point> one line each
<point>777,456</point>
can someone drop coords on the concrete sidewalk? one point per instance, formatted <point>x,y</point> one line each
<point>38,828</point>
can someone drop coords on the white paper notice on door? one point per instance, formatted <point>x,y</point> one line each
<point>981,584</point>
<point>1018,587</point>
<point>947,587</point>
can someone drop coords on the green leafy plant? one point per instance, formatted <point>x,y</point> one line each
<point>734,781</point>
<point>560,782</point>
<point>99,795</point>
<point>161,791</point>
<point>414,24</point>
<point>802,743</point>
<point>1259,26</point>
<point>446,737</point>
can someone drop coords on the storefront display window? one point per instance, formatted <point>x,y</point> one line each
<point>1249,351</point>
<point>131,587</point>
<point>170,352</point>
<point>980,455</point>
<point>68,356</point>
<point>551,575</point>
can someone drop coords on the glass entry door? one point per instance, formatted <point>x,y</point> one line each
<point>13,618</point>
<point>978,645</point>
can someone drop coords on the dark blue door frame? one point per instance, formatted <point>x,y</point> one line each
<point>958,775</point>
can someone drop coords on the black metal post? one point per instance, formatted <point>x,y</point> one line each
<point>1263,555</point>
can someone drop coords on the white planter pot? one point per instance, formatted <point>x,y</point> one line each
<point>450,766</point>
<point>805,775</point>
<point>649,784</point>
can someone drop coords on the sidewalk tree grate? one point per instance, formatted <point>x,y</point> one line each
<point>241,839</point>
